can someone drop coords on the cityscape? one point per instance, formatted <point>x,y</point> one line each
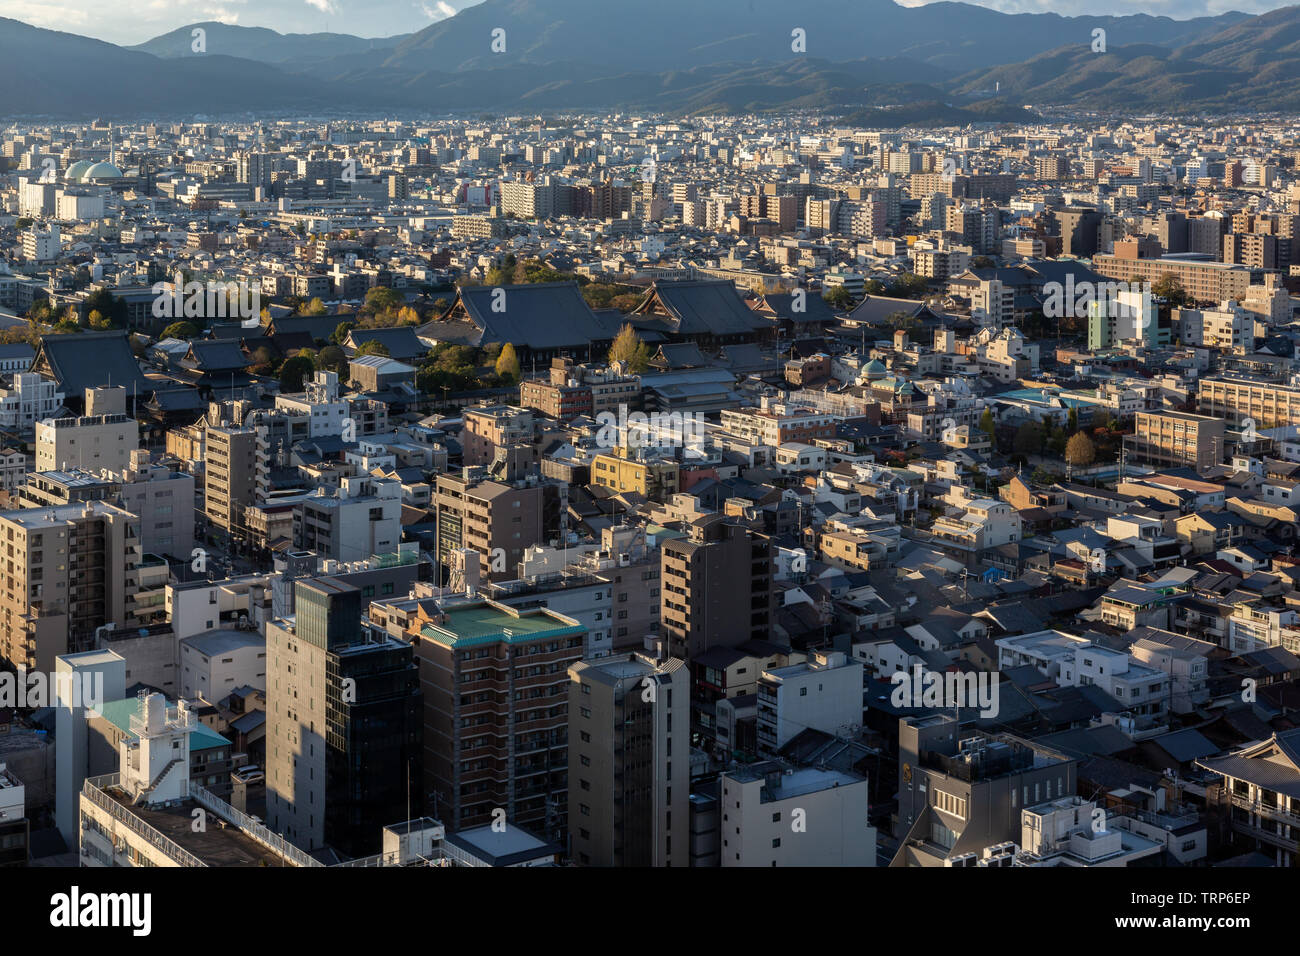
<point>717,477</point>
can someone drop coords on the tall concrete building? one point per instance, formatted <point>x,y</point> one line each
<point>497,519</point>
<point>496,712</point>
<point>716,587</point>
<point>229,475</point>
<point>72,570</point>
<point>1078,226</point>
<point>716,592</point>
<point>629,779</point>
<point>83,683</point>
<point>88,442</point>
<point>344,734</point>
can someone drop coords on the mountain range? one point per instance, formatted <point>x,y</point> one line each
<point>870,59</point>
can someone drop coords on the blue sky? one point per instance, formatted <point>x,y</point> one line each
<point>134,21</point>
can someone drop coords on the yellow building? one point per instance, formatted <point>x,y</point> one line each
<point>656,479</point>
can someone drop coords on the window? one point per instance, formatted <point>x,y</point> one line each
<point>949,803</point>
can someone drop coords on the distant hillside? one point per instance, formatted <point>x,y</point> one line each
<point>1253,65</point>
<point>47,72</point>
<point>681,34</point>
<point>872,60</point>
<point>263,45</point>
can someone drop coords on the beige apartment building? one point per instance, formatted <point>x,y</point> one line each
<point>1204,281</point>
<point>1176,439</point>
<point>229,475</point>
<point>496,519</point>
<point>68,570</point>
<point>1268,404</point>
<point>88,443</point>
<point>492,427</point>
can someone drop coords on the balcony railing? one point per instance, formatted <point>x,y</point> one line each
<point>93,789</point>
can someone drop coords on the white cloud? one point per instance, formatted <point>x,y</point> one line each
<point>324,6</point>
<point>438,11</point>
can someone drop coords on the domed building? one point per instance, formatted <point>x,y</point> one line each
<point>78,169</point>
<point>101,171</point>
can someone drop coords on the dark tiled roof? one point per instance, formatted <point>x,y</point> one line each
<point>540,315</point>
<point>86,359</point>
<point>707,307</point>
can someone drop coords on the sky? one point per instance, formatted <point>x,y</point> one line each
<point>134,21</point>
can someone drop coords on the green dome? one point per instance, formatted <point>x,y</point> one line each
<point>101,171</point>
<point>78,169</point>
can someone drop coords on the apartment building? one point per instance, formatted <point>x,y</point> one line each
<point>1230,328</point>
<point>27,399</point>
<point>496,519</point>
<point>775,424</point>
<point>657,479</point>
<point>163,500</point>
<point>1176,439</point>
<point>772,815</point>
<point>491,427</point>
<point>1202,280</point>
<point>627,807</point>
<point>68,571</point>
<point>362,518</point>
<point>824,693</point>
<point>88,443</point>
<point>496,712</point>
<point>717,587</point>
<point>1267,404</point>
<point>229,475</point>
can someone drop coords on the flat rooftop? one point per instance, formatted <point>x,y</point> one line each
<point>487,623</point>
<point>217,845</point>
<point>501,848</point>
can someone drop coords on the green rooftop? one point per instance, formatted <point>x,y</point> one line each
<point>120,712</point>
<point>486,623</point>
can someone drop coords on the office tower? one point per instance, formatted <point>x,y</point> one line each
<point>72,571</point>
<point>629,780</point>
<point>344,737</point>
<point>496,713</point>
